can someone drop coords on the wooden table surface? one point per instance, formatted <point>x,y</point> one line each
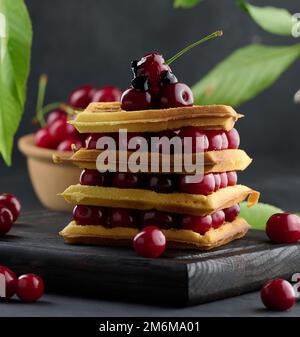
<point>279,186</point>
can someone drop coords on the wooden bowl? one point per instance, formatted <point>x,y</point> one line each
<point>48,179</point>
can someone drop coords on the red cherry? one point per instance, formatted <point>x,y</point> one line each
<point>224,141</point>
<point>205,186</point>
<point>30,287</point>
<point>10,281</point>
<point>215,140</point>
<point>43,139</point>
<point>194,132</point>
<point>231,178</point>
<point>217,181</point>
<point>66,145</point>
<point>278,294</point>
<point>135,100</point>
<point>283,228</point>
<point>55,115</point>
<point>126,180</point>
<point>233,139</point>
<point>12,203</point>
<point>61,130</point>
<point>92,178</point>
<point>157,218</point>
<point>176,95</point>
<point>121,217</point>
<point>123,141</point>
<point>89,215</point>
<point>152,66</point>
<point>91,141</point>
<point>161,183</point>
<point>232,212</point>
<point>199,224</point>
<point>150,242</point>
<point>81,97</point>
<point>218,219</point>
<point>107,94</point>
<point>6,219</point>
<point>224,180</point>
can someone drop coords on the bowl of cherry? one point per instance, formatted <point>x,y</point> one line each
<point>59,138</point>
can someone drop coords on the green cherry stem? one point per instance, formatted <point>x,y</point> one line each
<point>43,80</point>
<point>183,51</point>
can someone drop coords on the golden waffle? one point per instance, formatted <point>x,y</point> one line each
<point>108,117</point>
<point>173,202</point>
<point>176,238</point>
<point>214,161</point>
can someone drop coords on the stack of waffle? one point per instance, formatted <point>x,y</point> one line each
<point>143,202</point>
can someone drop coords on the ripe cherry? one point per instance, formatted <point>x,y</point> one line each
<point>107,94</point>
<point>231,178</point>
<point>150,242</point>
<point>224,141</point>
<point>10,281</point>
<point>30,287</point>
<point>126,180</point>
<point>12,203</point>
<point>215,140</point>
<point>232,212</point>
<point>92,178</point>
<point>176,95</point>
<point>81,97</point>
<point>55,115</point>
<point>283,228</point>
<point>199,224</point>
<point>167,77</point>
<point>6,219</point>
<point>233,139</point>
<point>43,139</point>
<point>151,66</point>
<point>217,181</point>
<point>157,218</point>
<point>89,215</point>
<point>161,183</point>
<point>224,180</point>
<point>61,130</point>
<point>218,218</point>
<point>66,145</point>
<point>198,137</point>
<point>91,141</point>
<point>278,294</point>
<point>135,100</point>
<point>205,186</point>
<point>121,217</point>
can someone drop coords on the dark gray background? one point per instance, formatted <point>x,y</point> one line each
<point>93,41</point>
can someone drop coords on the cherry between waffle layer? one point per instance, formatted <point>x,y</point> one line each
<point>108,117</point>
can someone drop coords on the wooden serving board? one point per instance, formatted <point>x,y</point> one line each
<point>178,278</point>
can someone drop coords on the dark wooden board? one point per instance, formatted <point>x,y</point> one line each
<point>179,277</point>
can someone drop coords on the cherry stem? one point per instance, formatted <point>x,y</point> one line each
<point>183,51</point>
<point>43,80</point>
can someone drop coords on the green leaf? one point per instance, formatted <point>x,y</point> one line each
<point>244,74</point>
<point>258,215</point>
<point>186,3</point>
<point>15,47</point>
<point>274,20</point>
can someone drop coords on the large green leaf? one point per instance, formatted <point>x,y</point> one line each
<point>186,3</point>
<point>258,215</point>
<point>244,74</point>
<point>15,47</point>
<point>274,20</point>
